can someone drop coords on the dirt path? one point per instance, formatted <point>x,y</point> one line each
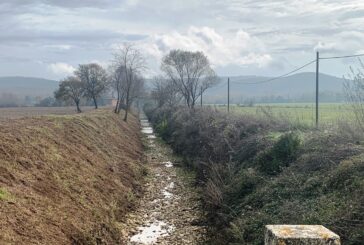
<point>170,210</point>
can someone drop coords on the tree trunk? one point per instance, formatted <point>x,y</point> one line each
<point>117,110</point>
<point>95,102</point>
<point>78,106</point>
<point>188,102</point>
<point>127,107</point>
<point>127,104</point>
<point>126,112</point>
<point>193,103</point>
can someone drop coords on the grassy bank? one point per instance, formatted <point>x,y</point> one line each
<point>257,171</point>
<point>67,179</point>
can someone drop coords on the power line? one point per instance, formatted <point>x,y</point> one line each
<point>317,61</point>
<point>275,78</point>
<point>295,70</point>
<point>342,57</point>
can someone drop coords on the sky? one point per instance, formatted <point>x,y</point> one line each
<point>49,38</point>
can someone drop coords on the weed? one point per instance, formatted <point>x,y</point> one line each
<point>280,155</point>
<point>4,195</point>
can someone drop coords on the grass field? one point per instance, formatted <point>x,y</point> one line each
<point>303,113</point>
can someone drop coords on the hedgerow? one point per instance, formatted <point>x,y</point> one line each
<point>258,171</point>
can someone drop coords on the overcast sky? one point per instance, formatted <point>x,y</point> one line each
<point>49,38</point>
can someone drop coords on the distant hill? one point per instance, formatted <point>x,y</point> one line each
<point>27,86</point>
<point>297,85</point>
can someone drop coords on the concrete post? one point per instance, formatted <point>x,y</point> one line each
<point>300,235</point>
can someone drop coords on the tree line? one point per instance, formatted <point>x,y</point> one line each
<point>184,77</point>
<point>91,81</point>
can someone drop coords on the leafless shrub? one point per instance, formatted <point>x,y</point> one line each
<point>349,131</point>
<point>354,90</point>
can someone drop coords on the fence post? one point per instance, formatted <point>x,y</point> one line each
<point>299,235</point>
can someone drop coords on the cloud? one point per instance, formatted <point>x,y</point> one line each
<point>248,36</point>
<point>240,48</point>
<point>61,47</point>
<point>346,42</point>
<point>66,3</point>
<point>61,68</point>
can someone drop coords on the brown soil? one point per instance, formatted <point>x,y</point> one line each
<point>68,179</point>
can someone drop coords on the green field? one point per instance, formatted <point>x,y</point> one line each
<point>302,113</point>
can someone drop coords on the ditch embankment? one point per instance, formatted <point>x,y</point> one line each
<point>68,179</point>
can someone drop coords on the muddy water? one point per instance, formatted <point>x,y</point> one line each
<point>170,208</point>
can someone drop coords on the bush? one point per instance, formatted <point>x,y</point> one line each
<point>162,129</point>
<point>280,155</point>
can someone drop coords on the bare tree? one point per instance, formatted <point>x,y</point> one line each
<point>94,78</point>
<point>136,89</point>
<point>190,73</point>
<point>130,61</point>
<point>118,84</point>
<point>71,88</point>
<point>354,90</point>
<point>164,92</point>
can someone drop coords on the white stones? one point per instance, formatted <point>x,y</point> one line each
<point>147,130</point>
<point>151,233</point>
<point>166,203</point>
<point>170,186</point>
<point>144,123</point>
<point>167,194</point>
<point>168,164</point>
<point>300,235</point>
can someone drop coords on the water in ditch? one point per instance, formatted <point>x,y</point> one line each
<point>170,211</point>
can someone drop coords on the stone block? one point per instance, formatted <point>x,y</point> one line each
<point>300,235</point>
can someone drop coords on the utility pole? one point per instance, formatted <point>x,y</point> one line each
<point>317,87</point>
<point>228,94</point>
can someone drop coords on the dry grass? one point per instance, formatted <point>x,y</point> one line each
<point>21,112</point>
<point>67,179</point>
